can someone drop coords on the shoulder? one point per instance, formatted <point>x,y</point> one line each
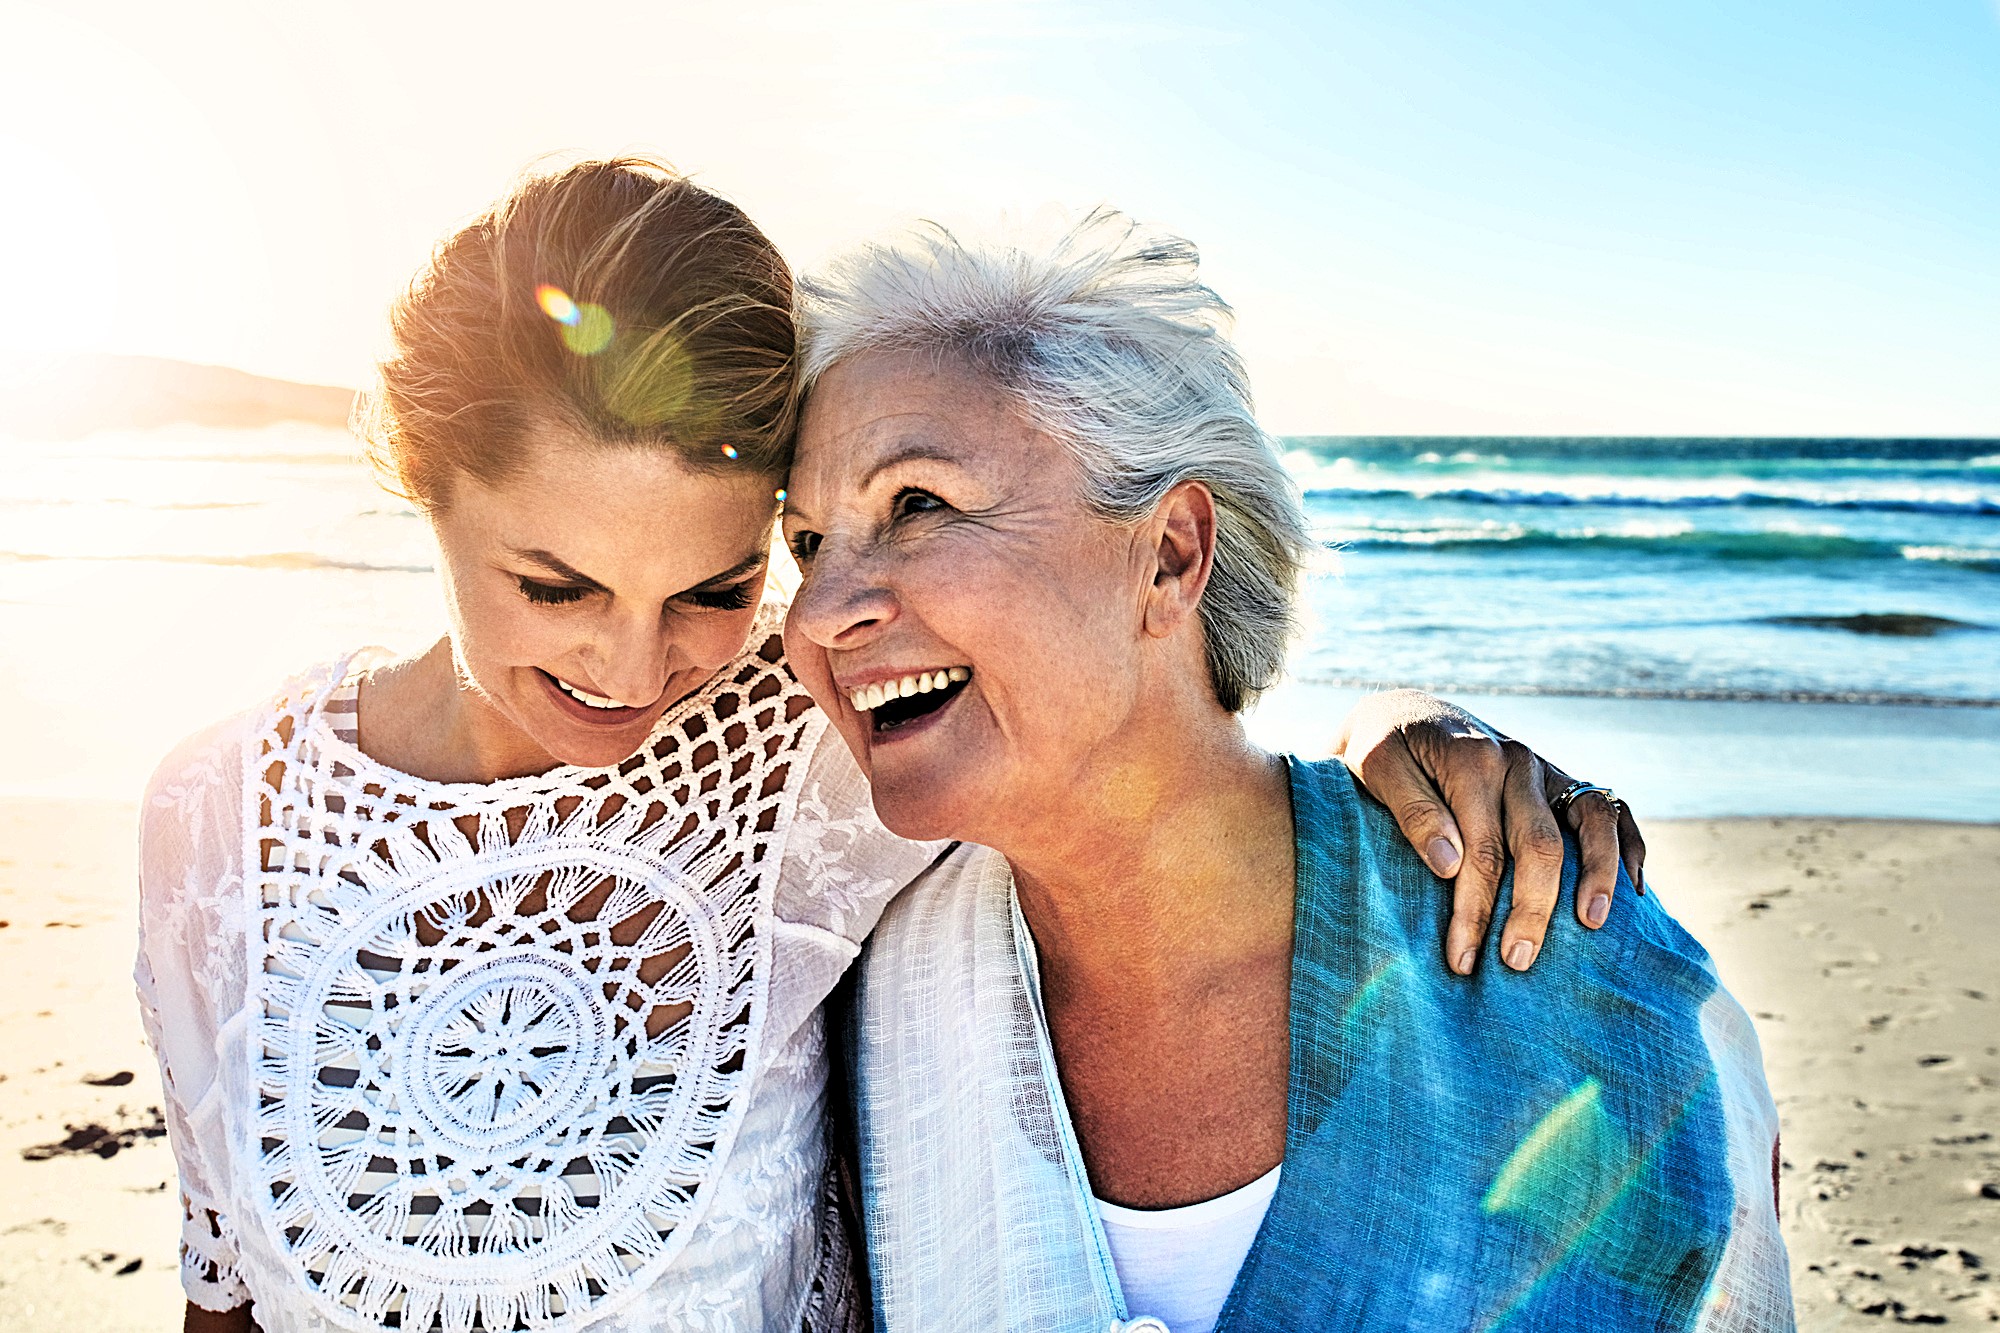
<point>203,762</point>
<point>842,864</point>
<point>1345,833</point>
<point>1621,1036</point>
<point>1345,837</point>
<point>203,774</point>
<point>941,914</point>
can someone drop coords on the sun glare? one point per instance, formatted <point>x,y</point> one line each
<point>63,264</point>
<point>129,226</point>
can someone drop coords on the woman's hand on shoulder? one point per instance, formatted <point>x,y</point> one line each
<point>1468,798</point>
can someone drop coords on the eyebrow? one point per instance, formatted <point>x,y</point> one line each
<point>749,563</point>
<point>912,451</point>
<point>556,565</point>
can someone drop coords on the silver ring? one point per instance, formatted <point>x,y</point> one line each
<point>1559,807</point>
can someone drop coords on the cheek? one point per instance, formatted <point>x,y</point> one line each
<point>712,640</point>
<point>495,628</point>
<point>808,661</point>
<point>1051,616</point>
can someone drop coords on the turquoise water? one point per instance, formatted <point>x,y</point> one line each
<point>153,581</point>
<point>1860,570</point>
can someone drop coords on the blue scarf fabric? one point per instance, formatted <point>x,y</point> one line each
<point>1586,1146</point>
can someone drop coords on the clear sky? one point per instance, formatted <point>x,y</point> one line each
<point>1477,216</point>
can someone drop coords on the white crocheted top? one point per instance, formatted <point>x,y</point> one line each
<point>540,1053</point>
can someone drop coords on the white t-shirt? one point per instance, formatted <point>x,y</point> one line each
<point>1178,1264</point>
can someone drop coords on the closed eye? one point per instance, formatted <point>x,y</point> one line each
<point>551,594</point>
<point>732,598</point>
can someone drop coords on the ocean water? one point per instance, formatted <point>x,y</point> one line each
<point>153,581</point>
<point>1856,570</point>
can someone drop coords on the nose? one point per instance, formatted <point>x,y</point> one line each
<point>842,603</point>
<point>631,657</point>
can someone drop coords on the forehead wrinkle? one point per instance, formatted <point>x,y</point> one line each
<point>913,449</point>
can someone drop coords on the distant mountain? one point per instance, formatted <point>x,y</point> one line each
<point>76,395</point>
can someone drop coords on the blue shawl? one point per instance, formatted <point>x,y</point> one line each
<point>1587,1146</point>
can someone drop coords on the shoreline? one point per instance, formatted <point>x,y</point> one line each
<point>1850,698</point>
<point>1677,758</point>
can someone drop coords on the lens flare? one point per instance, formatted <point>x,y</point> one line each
<point>649,382</point>
<point>586,329</point>
<point>781,496</point>
<point>555,303</point>
<point>1568,1165</point>
<point>592,332</point>
<point>1568,1173</point>
<point>729,451</point>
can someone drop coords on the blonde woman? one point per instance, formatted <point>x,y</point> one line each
<point>487,983</point>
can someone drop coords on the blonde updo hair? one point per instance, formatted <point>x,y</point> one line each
<point>613,300</point>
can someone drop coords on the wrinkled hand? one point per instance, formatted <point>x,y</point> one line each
<point>1467,798</point>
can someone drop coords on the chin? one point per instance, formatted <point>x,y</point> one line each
<point>593,753</point>
<point>567,744</point>
<point>919,811</point>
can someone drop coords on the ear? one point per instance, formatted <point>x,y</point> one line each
<point>1182,531</point>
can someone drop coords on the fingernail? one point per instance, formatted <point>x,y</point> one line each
<point>1444,857</point>
<point>1520,955</point>
<point>1597,909</point>
<point>1465,961</point>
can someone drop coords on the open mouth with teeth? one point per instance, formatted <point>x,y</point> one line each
<point>609,710</point>
<point>890,704</point>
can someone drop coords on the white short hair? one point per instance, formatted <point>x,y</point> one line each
<point>1114,346</point>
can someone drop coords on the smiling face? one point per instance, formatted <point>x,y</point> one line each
<point>596,587</point>
<point>944,534</point>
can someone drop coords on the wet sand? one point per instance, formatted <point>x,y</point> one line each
<point>1866,949</point>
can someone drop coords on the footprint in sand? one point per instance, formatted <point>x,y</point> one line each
<point>112,1263</point>
<point>98,1140</point>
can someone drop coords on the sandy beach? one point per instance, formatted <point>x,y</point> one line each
<point>1632,366</point>
<point>1863,947</point>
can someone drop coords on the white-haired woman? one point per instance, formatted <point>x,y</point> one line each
<point>1157,1041</point>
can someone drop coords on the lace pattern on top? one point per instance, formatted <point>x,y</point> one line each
<point>191,803</point>
<point>501,1030</point>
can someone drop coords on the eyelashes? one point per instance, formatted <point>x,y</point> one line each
<point>911,502</point>
<point>550,594</point>
<point>735,597</point>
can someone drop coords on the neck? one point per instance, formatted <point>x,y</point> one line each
<point>420,717</point>
<point>1186,846</point>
